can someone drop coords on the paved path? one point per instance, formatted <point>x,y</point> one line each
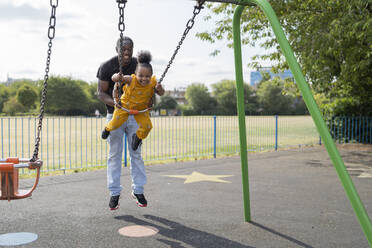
<point>297,200</point>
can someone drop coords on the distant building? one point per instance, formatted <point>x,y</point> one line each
<point>10,80</point>
<point>256,76</point>
<point>178,94</point>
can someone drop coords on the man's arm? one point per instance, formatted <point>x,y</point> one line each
<point>103,95</point>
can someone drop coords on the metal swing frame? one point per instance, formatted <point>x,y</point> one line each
<point>9,180</point>
<point>309,100</point>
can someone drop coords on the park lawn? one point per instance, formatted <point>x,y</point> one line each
<point>75,142</point>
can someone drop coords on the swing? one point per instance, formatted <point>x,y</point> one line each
<point>121,27</point>
<point>9,167</point>
<point>190,23</point>
<point>132,111</point>
<point>9,174</point>
<point>9,178</point>
<point>117,102</point>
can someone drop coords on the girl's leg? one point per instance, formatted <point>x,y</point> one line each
<point>144,124</point>
<point>118,118</point>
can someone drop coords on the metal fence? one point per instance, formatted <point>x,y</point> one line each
<point>351,129</point>
<point>75,142</point>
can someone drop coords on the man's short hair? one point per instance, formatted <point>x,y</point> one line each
<point>126,40</point>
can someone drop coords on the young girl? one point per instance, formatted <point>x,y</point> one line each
<point>138,89</point>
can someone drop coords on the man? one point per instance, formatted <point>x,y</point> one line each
<point>115,140</point>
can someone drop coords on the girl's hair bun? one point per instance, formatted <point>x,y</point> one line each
<point>144,57</point>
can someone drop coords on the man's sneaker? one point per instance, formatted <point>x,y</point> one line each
<point>105,134</point>
<point>114,202</point>
<point>140,199</point>
<point>136,142</point>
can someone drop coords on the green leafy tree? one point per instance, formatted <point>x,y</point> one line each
<point>291,89</point>
<point>166,102</point>
<point>4,96</point>
<point>271,98</point>
<point>19,83</point>
<point>94,102</point>
<point>27,96</point>
<point>12,107</point>
<point>199,100</point>
<point>186,110</point>
<point>331,39</point>
<point>66,96</point>
<point>225,94</point>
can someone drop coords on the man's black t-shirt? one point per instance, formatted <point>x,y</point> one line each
<point>109,68</point>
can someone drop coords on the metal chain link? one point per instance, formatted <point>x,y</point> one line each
<point>121,27</point>
<point>51,33</point>
<point>189,25</point>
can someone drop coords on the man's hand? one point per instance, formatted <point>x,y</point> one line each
<point>159,89</point>
<point>117,77</point>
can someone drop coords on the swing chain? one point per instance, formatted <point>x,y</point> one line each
<point>51,33</point>
<point>121,27</point>
<point>190,23</point>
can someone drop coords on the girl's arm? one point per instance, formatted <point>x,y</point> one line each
<point>159,89</point>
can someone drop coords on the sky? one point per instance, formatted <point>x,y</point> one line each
<point>86,32</point>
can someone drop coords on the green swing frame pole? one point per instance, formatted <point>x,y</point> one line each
<point>333,152</point>
<point>241,111</point>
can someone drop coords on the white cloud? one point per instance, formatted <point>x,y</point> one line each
<point>86,33</point>
<point>10,12</point>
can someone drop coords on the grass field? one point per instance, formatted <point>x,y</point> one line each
<point>74,142</point>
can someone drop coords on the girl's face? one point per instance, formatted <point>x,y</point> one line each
<point>144,75</point>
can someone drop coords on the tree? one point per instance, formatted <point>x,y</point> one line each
<point>67,97</point>
<point>12,107</point>
<point>331,39</point>
<point>4,96</point>
<point>299,106</point>
<point>225,94</point>
<point>199,99</point>
<point>94,102</point>
<point>27,96</point>
<point>271,98</point>
<point>166,102</point>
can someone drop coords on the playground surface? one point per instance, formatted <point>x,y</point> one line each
<point>297,200</point>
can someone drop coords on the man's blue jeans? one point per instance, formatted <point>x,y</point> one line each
<point>137,167</point>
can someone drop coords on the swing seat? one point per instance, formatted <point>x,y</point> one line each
<point>132,111</point>
<point>9,178</point>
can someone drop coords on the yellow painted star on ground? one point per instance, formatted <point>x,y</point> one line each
<point>199,177</point>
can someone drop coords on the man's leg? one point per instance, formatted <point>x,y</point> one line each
<point>114,160</point>
<point>137,167</point>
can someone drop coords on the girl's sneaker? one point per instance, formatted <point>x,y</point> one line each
<point>140,199</point>
<point>105,134</point>
<point>136,142</point>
